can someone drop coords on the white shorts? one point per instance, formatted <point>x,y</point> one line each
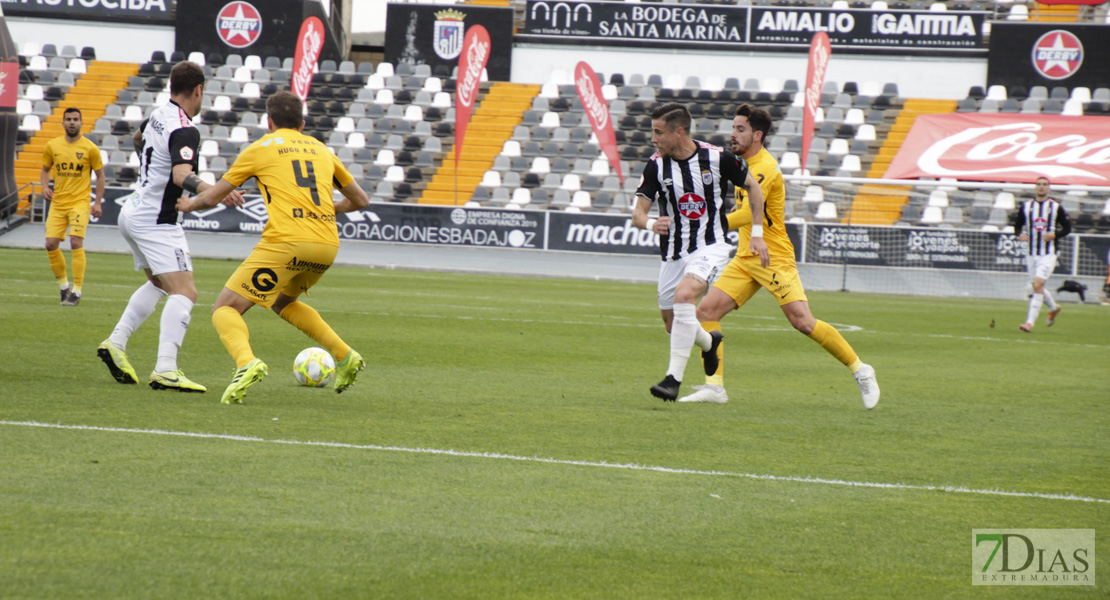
<point>160,248</point>
<point>1040,267</point>
<point>706,263</point>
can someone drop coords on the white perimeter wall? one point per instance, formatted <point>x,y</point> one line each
<point>113,41</point>
<point>916,77</point>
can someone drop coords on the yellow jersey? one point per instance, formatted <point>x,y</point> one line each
<point>766,171</point>
<point>73,164</point>
<point>296,174</point>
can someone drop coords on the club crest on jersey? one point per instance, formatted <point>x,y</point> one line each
<point>239,24</point>
<point>692,206</point>
<point>447,33</point>
<point>80,155</point>
<point>707,177</point>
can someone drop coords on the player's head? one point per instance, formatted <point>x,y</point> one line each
<point>750,127</point>
<point>285,111</point>
<point>187,85</point>
<point>670,128</point>
<point>71,121</point>
<point>1042,188</point>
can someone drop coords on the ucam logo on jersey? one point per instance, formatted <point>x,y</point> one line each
<point>239,24</point>
<point>1057,54</point>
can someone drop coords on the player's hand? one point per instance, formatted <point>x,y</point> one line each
<point>185,204</point>
<point>48,194</point>
<point>1024,237</point>
<point>95,210</point>
<point>662,225</point>
<point>1048,237</point>
<point>758,246</point>
<point>235,198</point>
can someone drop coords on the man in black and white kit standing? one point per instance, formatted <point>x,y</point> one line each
<point>149,221</point>
<point>1045,223</point>
<point>691,182</point>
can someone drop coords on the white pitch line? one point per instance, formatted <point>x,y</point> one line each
<point>576,463</point>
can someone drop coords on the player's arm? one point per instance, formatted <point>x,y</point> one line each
<point>95,210</point>
<point>354,198</point>
<point>649,189</point>
<point>1019,224</point>
<point>44,175</point>
<point>755,200</point>
<point>1063,225</point>
<point>206,196</point>
<point>137,137</point>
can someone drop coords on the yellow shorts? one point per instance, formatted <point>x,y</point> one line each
<point>73,219</point>
<point>287,267</point>
<point>743,277</point>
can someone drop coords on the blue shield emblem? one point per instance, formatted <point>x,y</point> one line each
<point>707,177</point>
<point>447,38</point>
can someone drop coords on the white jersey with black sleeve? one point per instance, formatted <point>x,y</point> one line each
<point>169,139</point>
<point>696,193</point>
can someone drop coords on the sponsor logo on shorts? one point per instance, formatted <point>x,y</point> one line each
<point>264,279</point>
<point>305,265</point>
<point>182,259</point>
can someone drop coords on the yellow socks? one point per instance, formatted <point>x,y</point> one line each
<point>234,334</point>
<point>717,378</point>
<point>78,268</point>
<point>58,266</point>
<point>835,344</point>
<point>305,318</point>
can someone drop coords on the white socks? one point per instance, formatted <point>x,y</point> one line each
<point>1034,307</point>
<point>142,305</point>
<point>1048,301</point>
<point>685,332</point>
<point>175,322</point>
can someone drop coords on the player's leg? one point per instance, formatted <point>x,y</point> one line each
<point>1054,309</point>
<point>173,325</point>
<point>78,223</point>
<point>731,290</point>
<point>700,270</point>
<point>227,318</point>
<point>56,232</point>
<point>139,307</point>
<point>799,315</point>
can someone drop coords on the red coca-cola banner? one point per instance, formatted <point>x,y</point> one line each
<point>1006,147</point>
<point>820,49</point>
<point>9,84</point>
<point>309,43</point>
<point>589,91</point>
<point>475,53</point>
<point>1088,2</point>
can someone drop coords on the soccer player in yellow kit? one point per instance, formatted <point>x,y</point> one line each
<point>295,173</point>
<point>744,276</point>
<point>73,158</point>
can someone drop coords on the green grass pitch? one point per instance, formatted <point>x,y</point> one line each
<point>502,443</point>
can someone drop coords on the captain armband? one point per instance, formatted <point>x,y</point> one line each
<point>191,183</point>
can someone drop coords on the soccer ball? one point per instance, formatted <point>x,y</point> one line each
<point>314,367</point>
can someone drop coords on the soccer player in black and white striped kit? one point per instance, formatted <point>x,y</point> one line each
<point>1045,223</point>
<point>690,180</point>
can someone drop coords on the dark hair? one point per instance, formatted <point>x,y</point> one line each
<point>185,77</point>
<point>72,110</point>
<point>285,111</point>
<point>675,115</point>
<point>759,119</point>
<point>1046,180</point>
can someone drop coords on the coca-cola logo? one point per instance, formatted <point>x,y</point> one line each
<point>476,59</point>
<point>819,61</point>
<point>591,101</point>
<point>1006,148</point>
<point>308,51</point>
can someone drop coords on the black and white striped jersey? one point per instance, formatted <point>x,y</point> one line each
<point>1039,218</point>
<point>169,139</point>
<point>696,193</point>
